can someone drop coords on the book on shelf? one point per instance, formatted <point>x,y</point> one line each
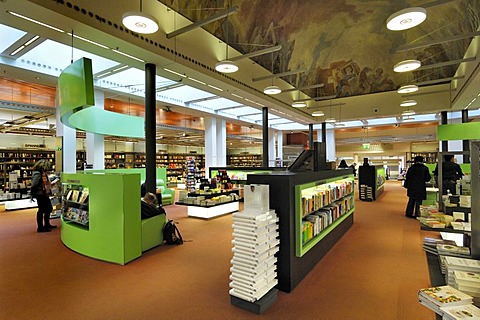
<point>436,298</point>
<point>84,195</point>
<point>463,312</point>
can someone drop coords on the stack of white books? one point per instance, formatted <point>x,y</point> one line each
<point>253,271</point>
<point>453,250</point>
<point>459,264</point>
<point>430,244</point>
<point>436,298</point>
<point>469,283</point>
<point>462,312</point>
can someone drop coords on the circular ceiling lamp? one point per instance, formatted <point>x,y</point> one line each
<point>140,22</point>
<point>407,88</point>
<point>406,18</point>
<point>408,113</point>
<point>226,66</point>
<point>330,120</point>
<point>299,104</point>
<point>408,103</point>
<point>271,90</point>
<point>407,65</point>
<point>318,113</point>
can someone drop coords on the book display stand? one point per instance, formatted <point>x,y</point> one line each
<point>371,180</point>
<point>285,198</point>
<point>253,271</point>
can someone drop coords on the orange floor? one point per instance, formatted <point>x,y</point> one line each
<point>373,272</point>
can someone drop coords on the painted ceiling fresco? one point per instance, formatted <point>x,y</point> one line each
<point>343,44</point>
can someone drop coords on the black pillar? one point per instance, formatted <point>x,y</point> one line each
<point>265,136</point>
<point>310,136</point>
<point>150,128</point>
<point>444,120</point>
<point>465,143</point>
<point>324,133</point>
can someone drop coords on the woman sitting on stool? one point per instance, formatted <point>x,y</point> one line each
<point>149,206</point>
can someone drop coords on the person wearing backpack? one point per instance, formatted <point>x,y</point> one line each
<point>40,190</point>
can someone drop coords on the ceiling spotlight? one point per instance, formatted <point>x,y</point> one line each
<point>408,103</point>
<point>330,120</point>
<point>406,18</point>
<point>407,65</point>
<point>272,90</point>
<point>407,88</point>
<point>299,104</point>
<point>318,113</point>
<point>226,66</point>
<point>408,113</point>
<point>140,22</point>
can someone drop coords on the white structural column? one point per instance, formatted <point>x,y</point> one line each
<point>210,144</point>
<point>280,147</point>
<point>221,143</point>
<point>330,143</point>
<point>69,142</point>
<point>95,141</point>
<point>271,147</point>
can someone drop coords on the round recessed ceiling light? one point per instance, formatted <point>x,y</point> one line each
<point>299,104</point>
<point>226,66</point>
<point>272,90</point>
<point>407,65</point>
<point>140,22</point>
<point>406,18</point>
<point>318,113</point>
<point>408,88</point>
<point>330,120</point>
<point>408,103</point>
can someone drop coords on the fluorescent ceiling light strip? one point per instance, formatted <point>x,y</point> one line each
<point>198,81</point>
<point>249,100</point>
<point>29,42</point>
<point>87,40</point>
<point>103,74</point>
<point>236,95</point>
<point>213,87</point>
<point>17,50</point>
<point>35,21</point>
<point>259,104</point>
<point>174,72</point>
<point>127,55</point>
<point>120,68</point>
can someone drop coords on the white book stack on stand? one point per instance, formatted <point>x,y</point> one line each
<point>255,243</point>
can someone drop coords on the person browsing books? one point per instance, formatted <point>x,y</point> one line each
<point>149,206</point>
<point>415,181</point>
<point>451,172</point>
<point>40,190</point>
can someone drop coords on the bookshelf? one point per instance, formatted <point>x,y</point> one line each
<point>244,160</point>
<point>371,181</point>
<point>429,157</point>
<point>285,195</point>
<point>319,208</point>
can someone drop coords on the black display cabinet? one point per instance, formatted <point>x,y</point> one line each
<point>371,180</point>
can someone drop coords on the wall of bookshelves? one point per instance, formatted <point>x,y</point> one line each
<point>244,160</point>
<point>21,162</point>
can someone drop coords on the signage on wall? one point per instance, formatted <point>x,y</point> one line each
<point>366,146</point>
<point>30,145</point>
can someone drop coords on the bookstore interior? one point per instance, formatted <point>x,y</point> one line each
<point>77,88</point>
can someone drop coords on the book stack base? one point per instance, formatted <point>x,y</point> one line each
<point>253,271</point>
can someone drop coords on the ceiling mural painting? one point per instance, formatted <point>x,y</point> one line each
<point>343,44</point>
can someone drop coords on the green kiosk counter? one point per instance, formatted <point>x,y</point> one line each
<point>101,215</point>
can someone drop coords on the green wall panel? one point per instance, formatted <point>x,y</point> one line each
<point>459,131</point>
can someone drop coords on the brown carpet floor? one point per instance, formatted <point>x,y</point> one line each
<point>373,272</point>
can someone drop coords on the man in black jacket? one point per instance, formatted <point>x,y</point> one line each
<point>451,172</point>
<point>415,181</point>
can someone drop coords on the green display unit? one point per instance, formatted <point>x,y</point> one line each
<point>112,229</point>
<point>319,207</point>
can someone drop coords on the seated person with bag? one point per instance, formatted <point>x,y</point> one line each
<point>149,206</point>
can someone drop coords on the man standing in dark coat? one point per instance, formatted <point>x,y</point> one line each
<point>415,181</point>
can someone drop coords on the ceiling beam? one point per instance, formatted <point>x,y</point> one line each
<point>214,17</point>
<point>256,53</point>
<point>278,75</point>
<point>434,42</point>
<point>446,63</point>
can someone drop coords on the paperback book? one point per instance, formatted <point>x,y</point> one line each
<point>462,312</point>
<point>438,297</point>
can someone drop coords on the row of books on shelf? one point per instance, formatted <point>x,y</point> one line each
<point>324,194</point>
<point>319,220</point>
<point>77,215</point>
<point>77,195</point>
